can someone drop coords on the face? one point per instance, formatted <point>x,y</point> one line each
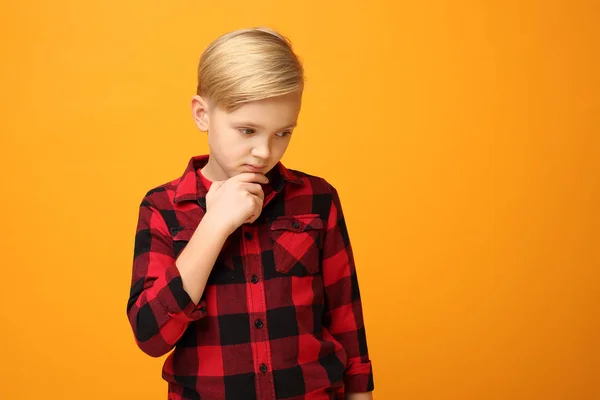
<point>252,138</point>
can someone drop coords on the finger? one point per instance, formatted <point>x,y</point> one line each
<point>252,217</point>
<point>255,215</point>
<point>258,205</point>
<point>253,188</point>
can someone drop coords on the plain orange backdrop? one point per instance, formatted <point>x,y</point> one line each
<point>461,135</point>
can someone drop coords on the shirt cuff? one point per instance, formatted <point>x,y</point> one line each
<point>359,378</point>
<point>175,300</point>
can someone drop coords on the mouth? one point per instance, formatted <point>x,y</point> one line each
<point>254,168</point>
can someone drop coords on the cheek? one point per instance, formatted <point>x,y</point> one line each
<point>281,147</point>
<point>227,144</point>
<point>277,151</point>
<point>220,138</point>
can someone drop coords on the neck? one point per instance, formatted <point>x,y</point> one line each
<point>213,171</point>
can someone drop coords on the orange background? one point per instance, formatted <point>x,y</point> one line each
<point>462,136</point>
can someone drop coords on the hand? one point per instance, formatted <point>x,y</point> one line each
<point>237,200</point>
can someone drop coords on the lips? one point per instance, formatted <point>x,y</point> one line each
<point>255,167</point>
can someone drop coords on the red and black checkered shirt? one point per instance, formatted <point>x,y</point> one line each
<point>281,314</point>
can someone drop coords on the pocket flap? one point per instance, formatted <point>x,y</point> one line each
<point>297,223</point>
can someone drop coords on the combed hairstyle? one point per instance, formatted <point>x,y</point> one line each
<point>248,65</point>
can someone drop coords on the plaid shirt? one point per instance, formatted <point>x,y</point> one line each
<point>281,314</point>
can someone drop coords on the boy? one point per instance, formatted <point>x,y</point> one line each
<point>241,265</point>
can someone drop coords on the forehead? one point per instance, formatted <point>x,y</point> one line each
<point>274,111</point>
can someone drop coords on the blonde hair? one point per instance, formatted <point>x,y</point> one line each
<point>247,65</point>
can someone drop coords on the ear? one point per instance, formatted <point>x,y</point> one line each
<point>200,112</point>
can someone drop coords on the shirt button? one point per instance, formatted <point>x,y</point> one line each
<point>248,236</point>
<point>263,368</point>
<point>258,323</point>
<point>254,279</point>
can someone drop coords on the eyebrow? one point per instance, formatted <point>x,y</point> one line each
<point>257,126</point>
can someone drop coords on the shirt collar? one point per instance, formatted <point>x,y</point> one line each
<point>190,186</point>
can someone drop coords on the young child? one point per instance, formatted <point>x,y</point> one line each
<point>242,265</point>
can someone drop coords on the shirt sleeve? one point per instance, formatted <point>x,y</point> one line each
<point>159,309</point>
<point>344,318</point>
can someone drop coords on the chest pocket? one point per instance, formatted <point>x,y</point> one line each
<point>296,243</point>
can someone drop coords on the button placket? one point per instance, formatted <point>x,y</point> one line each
<point>251,244</point>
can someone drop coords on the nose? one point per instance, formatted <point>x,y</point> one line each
<point>262,150</point>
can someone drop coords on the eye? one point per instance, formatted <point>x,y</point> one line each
<point>284,134</point>
<point>246,131</point>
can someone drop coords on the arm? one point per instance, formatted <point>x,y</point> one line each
<point>197,259</point>
<point>343,316</point>
<point>165,292</point>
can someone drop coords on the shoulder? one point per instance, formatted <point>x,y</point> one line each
<point>320,192</point>
<point>161,196</point>
<point>317,184</point>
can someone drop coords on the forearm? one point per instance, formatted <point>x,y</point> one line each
<point>159,308</point>
<point>197,259</point>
